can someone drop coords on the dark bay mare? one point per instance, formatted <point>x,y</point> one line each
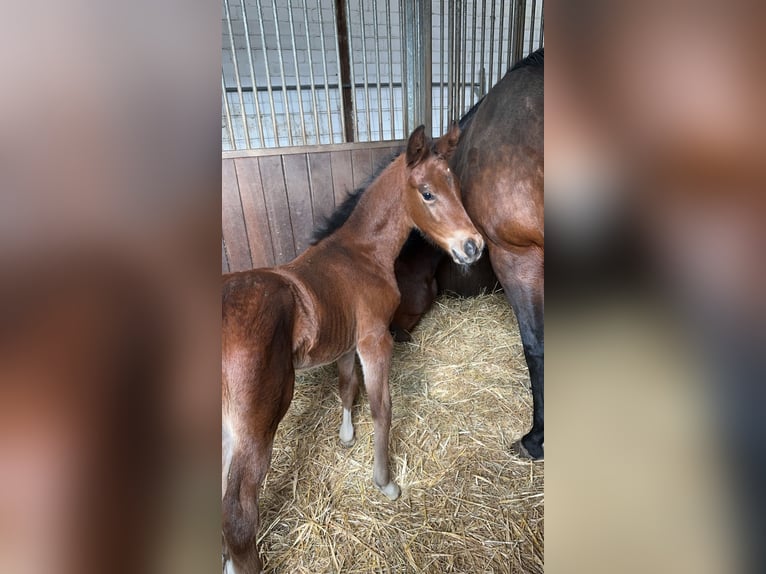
<point>499,161</point>
<point>334,301</point>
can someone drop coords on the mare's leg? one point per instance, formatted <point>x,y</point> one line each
<point>349,387</point>
<point>375,350</point>
<point>521,274</point>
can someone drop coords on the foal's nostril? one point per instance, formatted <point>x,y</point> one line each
<point>470,248</point>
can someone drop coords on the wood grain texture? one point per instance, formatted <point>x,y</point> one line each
<point>232,219</point>
<point>254,210</point>
<point>322,192</point>
<point>342,175</point>
<point>361,163</point>
<point>299,200</point>
<point>277,208</point>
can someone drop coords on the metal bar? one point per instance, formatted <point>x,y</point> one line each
<point>405,71</point>
<point>252,73</point>
<point>491,44</point>
<point>268,74</point>
<point>483,30</point>
<point>331,133</point>
<point>297,71</point>
<point>462,47</point>
<point>364,76</point>
<point>236,73</point>
<point>228,113</point>
<point>426,43</point>
<point>542,28</point>
<point>353,74</point>
<point>344,73</point>
<point>520,17</point>
<point>390,68</point>
<point>441,68</point>
<point>511,31</point>
<point>377,69</point>
<point>473,56</point>
<point>282,75</point>
<point>532,25</point>
<point>500,35</point>
<point>450,64</point>
<point>311,73</point>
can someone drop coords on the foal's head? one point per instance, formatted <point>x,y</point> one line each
<point>432,196</point>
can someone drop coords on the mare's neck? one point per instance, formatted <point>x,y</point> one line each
<point>380,223</point>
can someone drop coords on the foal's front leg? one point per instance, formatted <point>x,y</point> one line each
<point>349,387</point>
<point>374,351</point>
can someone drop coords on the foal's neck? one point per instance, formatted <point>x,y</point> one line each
<point>380,223</point>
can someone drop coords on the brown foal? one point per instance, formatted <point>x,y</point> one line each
<point>333,302</point>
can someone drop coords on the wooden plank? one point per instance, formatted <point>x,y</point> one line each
<point>320,148</point>
<point>277,208</point>
<point>342,175</point>
<point>320,179</point>
<point>361,166</point>
<point>232,219</point>
<point>299,200</point>
<point>381,157</point>
<point>224,258</point>
<point>254,211</point>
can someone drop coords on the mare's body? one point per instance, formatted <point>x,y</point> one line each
<point>499,160</point>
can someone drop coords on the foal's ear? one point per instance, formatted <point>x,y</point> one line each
<point>417,146</point>
<point>446,144</point>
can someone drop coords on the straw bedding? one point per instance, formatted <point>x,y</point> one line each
<point>460,399</point>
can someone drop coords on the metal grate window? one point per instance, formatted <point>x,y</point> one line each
<point>306,72</point>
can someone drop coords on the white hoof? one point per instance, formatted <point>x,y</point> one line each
<point>391,490</point>
<point>346,433</point>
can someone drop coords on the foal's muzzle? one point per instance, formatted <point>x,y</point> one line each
<point>469,251</point>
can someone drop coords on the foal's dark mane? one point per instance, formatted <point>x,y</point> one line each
<point>337,218</point>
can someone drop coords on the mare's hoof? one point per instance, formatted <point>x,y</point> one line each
<point>519,449</point>
<point>391,490</point>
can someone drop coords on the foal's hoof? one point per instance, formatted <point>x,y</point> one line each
<point>347,442</point>
<point>391,490</point>
<point>347,436</point>
<point>521,451</point>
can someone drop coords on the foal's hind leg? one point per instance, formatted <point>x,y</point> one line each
<point>241,519</point>
<point>375,355</point>
<point>349,387</point>
<point>254,415</point>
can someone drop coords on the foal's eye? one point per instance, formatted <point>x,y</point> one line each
<point>426,193</point>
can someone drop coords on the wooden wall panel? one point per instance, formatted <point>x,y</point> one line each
<point>232,219</point>
<point>271,204</point>
<point>322,192</point>
<point>299,199</point>
<point>254,210</point>
<point>361,163</point>
<point>342,175</point>
<point>277,208</point>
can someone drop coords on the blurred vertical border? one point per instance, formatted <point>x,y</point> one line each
<point>109,287</point>
<point>655,165</point>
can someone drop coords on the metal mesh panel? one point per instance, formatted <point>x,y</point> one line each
<point>283,81</point>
